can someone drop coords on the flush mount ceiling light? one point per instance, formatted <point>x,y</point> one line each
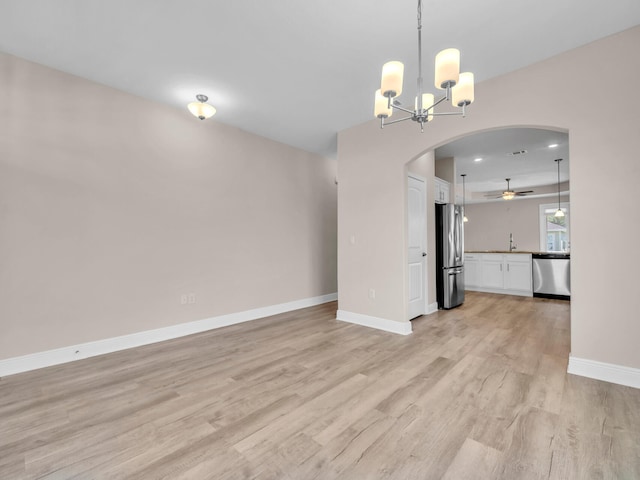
<point>201,108</point>
<point>458,86</point>
<point>559,212</point>
<point>553,145</point>
<point>464,199</point>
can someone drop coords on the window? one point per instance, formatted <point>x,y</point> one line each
<point>554,231</point>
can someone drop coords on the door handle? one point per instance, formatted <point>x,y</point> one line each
<point>424,254</point>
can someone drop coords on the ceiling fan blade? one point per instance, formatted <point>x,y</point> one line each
<point>524,192</point>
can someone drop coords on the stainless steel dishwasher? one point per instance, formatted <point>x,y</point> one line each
<point>552,275</point>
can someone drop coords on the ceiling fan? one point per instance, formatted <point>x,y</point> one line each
<point>509,194</point>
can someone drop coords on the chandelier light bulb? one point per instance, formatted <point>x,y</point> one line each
<point>382,108</point>
<point>447,68</point>
<point>392,74</point>
<point>463,94</point>
<point>427,102</point>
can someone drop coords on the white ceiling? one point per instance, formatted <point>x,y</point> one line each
<point>291,70</point>
<point>532,169</point>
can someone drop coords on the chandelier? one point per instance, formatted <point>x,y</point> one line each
<point>458,86</point>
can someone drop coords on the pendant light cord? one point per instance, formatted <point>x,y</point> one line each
<point>559,160</point>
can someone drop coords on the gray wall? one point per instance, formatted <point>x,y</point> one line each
<point>491,223</point>
<point>604,149</point>
<point>112,206</point>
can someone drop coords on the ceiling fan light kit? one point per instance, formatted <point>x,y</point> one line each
<point>459,87</point>
<point>509,194</point>
<point>201,108</point>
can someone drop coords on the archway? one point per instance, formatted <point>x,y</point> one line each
<point>524,154</point>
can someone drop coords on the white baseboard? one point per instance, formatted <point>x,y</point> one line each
<point>607,372</point>
<point>402,328</point>
<point>519,293</point>
<point>432,308</point>
<point>48,358</point>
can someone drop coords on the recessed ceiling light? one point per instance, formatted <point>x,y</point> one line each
<point>553,145</point>
<point>477,159</point>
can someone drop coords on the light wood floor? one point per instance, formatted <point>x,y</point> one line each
<point>475,392</point>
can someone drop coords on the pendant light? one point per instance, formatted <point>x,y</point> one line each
<point>559,213</point>
<point>464,199</point>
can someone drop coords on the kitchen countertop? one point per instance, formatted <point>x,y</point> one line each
<point>567,255</point>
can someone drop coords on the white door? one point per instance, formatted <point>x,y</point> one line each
<point>417,242</point>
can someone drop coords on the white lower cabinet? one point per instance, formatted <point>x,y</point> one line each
<point>499,273</point>
<point>492,271</point>
<point>472,270</point>
<point>518,276</point>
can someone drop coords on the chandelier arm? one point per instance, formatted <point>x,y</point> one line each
<point>403,109</point>
<point>398,120</point>
<point>435,105</point>
<point>446,113</point>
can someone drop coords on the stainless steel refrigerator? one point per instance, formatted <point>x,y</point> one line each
<point>449,255</point>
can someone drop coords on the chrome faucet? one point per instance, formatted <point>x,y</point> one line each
<point>512,246</point>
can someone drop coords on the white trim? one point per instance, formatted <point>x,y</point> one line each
<point>607,372</point>
<point>432,308</point>
<point>48,358</point>
<point>402,328</point>
<point>501,291</point>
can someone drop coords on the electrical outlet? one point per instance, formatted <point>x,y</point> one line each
<point>192,298</point>
<point>372,293</point>
<point>183,299</point>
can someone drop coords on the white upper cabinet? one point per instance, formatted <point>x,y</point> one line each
<point>442,191</point>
